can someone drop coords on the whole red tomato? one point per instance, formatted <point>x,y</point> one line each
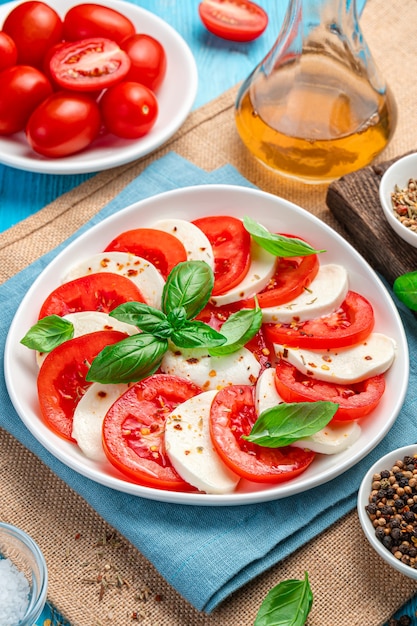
<point>92,20</point>
<point>63,124</point>
<point>148,60</point>
<point>8,51</point>
<point>129,109</point>
<point>22,88</point>
<point>34,27</point>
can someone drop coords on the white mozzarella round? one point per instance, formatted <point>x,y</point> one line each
<point>190,449</point>
<point>343,365</point>
<point>195,242</point>
<point>323,296</point>
<point>330,440</point>
<point>145,275</point>
<point>89,415</point>
<point>261,270</point>
<point>212,372</point>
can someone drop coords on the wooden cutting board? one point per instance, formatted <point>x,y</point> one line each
<point>354,201</point>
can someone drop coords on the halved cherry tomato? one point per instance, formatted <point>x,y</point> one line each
<point>103,292</point>
<point>93,20</point>
<point>350,324</point>
<point>232,415</point>
<point>355,401</point>
<point>8,51</point>
<point>34,27</point>
<point>231,248</point>
<point>89,64</point>
<point>133,430</point>
<point>129,109</point>
<point>237,20</point>
<point>148,61</point>
<point>161,249</point>
<point>61,378</point>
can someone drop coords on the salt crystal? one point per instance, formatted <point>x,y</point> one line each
<point>14,594</point>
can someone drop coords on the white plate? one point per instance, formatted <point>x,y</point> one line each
<point>189,203</point>
<point>175,98</point>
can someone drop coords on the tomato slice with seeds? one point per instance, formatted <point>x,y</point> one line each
<point>161,249</point>
<point>350,324</point>
<point>89,64</point>
<point>61,379</point>
<point>355,401</point>
<point>133,430</point>
<point>232,415</point>
<point>231,249</point>
<point>103,292</point>
<point>236,20</point>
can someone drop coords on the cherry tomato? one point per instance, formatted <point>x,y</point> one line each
<point>232,415</point>
<point>161,249</point>
<point>89,64</point>
<point>133,430</point>
<point>355,401</point>
<point>350,324</point>
<point>34,27</point>
<point>103,292</point>
<point>61,378</point>
<point>231,248</point>
<point>148,60</point>
<point>63,124</point>
<point>129,110</point>
<point>8,51</point>
<point>22,89</point>
<point>238,20</point>
<point>92,20</point>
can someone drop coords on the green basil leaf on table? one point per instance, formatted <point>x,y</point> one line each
<point>197,334</point>
<point>405,288</point>
<point>278,245</point>
<point>286,423</point>
<point>139,314</point>
<point>48,333</point>
<point>287,604</point>
<point>188,285</point>
<point>238,329</point>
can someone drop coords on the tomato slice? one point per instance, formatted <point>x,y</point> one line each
<point>350,324</point>
<point>161,249</point>
<point>133,430</point>
<point>61,378</point>
<point>89,64</point>
<point>103,292</point>
<point>355,401</point>
<point>231,248</point>
<point>233,415</point>
<point>237,20</point>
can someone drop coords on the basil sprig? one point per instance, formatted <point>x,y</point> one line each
<point>405,288</point>
<point>238,329</point>
<point>287,604</point>
<point>278,245</point>
<point>286,423</point>
<point>48,333</point>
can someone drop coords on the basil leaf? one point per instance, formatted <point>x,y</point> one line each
<point>177,317</point>
<point>197,334</point>
<point>287,604</point>
<point>278,245</point>
<point>285,423</point>
<point>189,285</point>
<point>405,288</point>
<point>145,317</point>
<point>128,360</point>
<point>48,333</point>
<point>238,329</point>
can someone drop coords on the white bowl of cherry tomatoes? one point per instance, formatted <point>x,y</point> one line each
<point>85,87</point>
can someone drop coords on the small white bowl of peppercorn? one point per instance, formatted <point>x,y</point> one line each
<point>398,197</point>
<point>387,508</point>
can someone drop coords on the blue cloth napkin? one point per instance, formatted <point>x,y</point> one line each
<point>205,553</point>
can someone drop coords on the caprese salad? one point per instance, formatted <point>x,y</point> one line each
<point>192,355</point>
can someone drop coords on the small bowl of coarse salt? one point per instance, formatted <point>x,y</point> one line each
<point>23,578</point>
<point>398,197</point>
<point>387,508</point>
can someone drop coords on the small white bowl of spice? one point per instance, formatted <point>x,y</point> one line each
<point>387,508</point>
<point>398,197</point>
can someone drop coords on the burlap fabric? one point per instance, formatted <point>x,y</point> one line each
<point>96,577</point>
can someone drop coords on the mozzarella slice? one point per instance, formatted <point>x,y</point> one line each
<point>330,440</point>
<point>212,372</point>
<point>261,270</point>
<point>195,242</point>
<point>89,415</point>
<point>190,449</point>
<point>89,322</point>
<point>145,275</point>
<point>323,296</point>
<point>343,365</point>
